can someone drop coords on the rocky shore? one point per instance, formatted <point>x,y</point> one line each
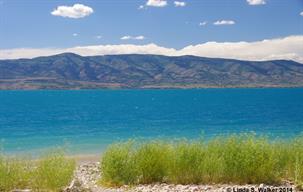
<point>88,173</point>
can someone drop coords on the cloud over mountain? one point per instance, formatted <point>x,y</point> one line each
<point>290,48</point>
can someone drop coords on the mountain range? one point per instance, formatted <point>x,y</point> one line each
<point>71,71</point>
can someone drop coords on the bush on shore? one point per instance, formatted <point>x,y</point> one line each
<point>49,173</point>
<point>238,159</point>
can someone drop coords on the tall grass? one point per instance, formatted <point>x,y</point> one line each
<point>239,159</point>
<point>118,161</point>
<point>14,173</point>
<point>151,161</point>
<point>49,173</point>
<point>53,172</point>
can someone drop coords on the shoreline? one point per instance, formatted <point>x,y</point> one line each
<point>153,87</point>
<point>87,177</point>
<point>224,164</point>
<point>86,158</point>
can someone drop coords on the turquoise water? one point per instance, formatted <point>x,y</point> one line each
<point>87,121</point>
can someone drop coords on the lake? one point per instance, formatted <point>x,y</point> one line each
<point>86,121</point>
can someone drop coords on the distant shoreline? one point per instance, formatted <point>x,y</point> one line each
<point>150,87</point>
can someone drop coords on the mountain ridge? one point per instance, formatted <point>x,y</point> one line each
<point>72,71</point>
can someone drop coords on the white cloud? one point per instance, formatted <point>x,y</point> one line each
<point>141,7</point>
<point>76,11</point>
<point>290,47</point>
<point>156,3</point>
<point>99,36</point>
<point>179,3</point>
<point>128,37</point>
<point>141,37</point>
<point>203,23</point>
<point>75,34</point>
<point>301,13</point>
<point>256,2</point>
<point>224,22</point>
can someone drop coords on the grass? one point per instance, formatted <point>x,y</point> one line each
<point>52,172</point>
<point>238,159</point>
<point>14,173</point>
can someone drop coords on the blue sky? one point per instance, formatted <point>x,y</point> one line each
<point>30,24</point>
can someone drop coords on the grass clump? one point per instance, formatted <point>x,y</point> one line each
<point>152,161</point>
<point>53,172</point>
<point>49,173</point>
<point>14,173</point>
<point>248,159</point>
<point>186,164</point>
<point>239,159</point>
<point>118,165</point>
<point>129,163</point>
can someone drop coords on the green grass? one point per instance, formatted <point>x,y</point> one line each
<point>51,172</point>
<point>118,161</point>
<point>14,173</point>
<point>238,159</point>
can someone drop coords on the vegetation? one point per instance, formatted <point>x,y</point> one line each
<point>52,172</point>
<point>14,173</point>
<point>238,159</point>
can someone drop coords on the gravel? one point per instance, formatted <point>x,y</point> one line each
<point>87,175</point>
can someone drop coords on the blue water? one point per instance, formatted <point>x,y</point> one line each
<point>87,121</point>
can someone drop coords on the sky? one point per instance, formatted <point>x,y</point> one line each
<point>241,29</point>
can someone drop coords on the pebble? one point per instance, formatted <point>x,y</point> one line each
<point>87,175</point>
